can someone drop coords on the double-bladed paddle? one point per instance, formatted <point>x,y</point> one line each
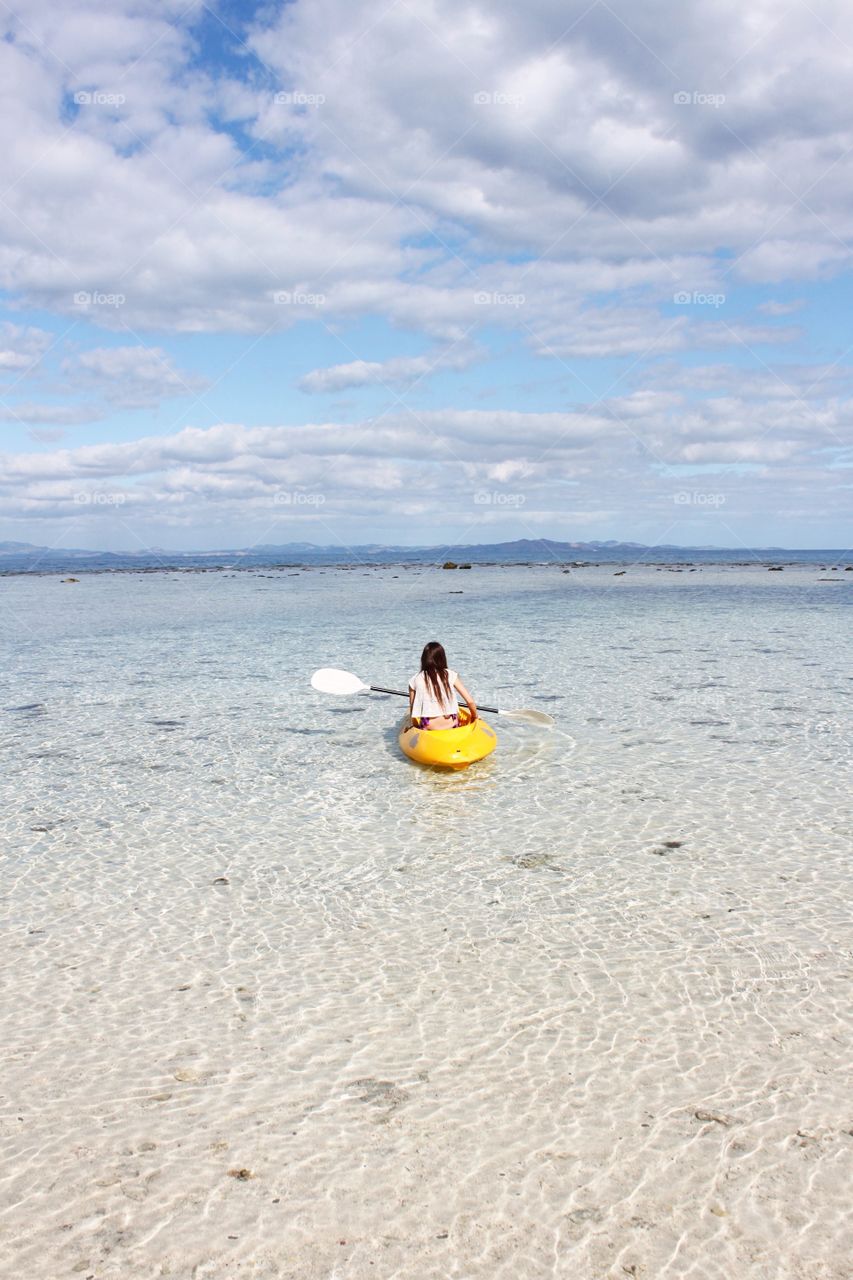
<point>331,680</point>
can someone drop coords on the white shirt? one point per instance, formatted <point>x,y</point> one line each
<point>426,704</point>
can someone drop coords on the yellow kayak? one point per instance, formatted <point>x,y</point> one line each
<point>449,748</point>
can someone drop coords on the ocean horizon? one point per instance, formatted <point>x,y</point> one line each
<point>529,551</point>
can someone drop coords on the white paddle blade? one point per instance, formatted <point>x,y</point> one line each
<point>330,680</point>
<point>529,716</point>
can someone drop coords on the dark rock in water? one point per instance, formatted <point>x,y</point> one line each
<point>456,593</point>
<point>222,880</point>
<point>70,579</point>
<point>714,1117</point>
<point>672,844</point>
<point>29,706</point>
<point>776,568</point>
<point>620,573</point>
<point>381,1092</point>
<point>464,566</point>
<point>242,1175</point>
<point>577,1216</point>
<point>533,859</point>
<point>450,564</point>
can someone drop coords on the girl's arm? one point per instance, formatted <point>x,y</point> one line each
<point>411,700</point>
<point>460,689</point>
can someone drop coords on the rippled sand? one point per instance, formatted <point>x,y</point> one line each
<point>278,1003</point>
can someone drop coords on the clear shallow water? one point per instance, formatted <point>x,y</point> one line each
<point>462,1023</point>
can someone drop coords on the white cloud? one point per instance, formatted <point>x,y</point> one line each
<point>775,308</point>
<point>27,413</point>
<point>543,179</point>
<point>394,190</point>
<point>396,371</point>
<point>132,377</point>
<point>21,347</point>
<point>429,450</point>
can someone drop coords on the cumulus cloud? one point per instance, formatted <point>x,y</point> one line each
<point>569,184</point>
<point>775,308</point>
<point>397,371</point>
<point>28,413</point>
<point>87,386</point>
<point>408,451</point>
<point>459,145</point>
<point>132,377</point>
<point>21,347</point>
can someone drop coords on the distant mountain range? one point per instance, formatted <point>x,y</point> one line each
<point>25,557</point>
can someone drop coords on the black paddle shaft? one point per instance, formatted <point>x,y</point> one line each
<point>401,693</point>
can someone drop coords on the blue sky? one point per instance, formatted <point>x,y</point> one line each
<point>345,273</point>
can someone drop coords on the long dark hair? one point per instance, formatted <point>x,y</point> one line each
<point>434,667</point>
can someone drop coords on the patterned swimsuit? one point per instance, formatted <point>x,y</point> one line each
<point>423,722</point>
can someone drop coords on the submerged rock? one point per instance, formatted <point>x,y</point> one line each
<point>382,1092</point>
<point>714,1117</point>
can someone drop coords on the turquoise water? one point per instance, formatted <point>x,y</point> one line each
<point>461,1021</point>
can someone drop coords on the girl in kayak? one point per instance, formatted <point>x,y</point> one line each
<point>433,703</point>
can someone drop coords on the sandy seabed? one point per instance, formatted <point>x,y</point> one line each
<point>280,1004</point>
